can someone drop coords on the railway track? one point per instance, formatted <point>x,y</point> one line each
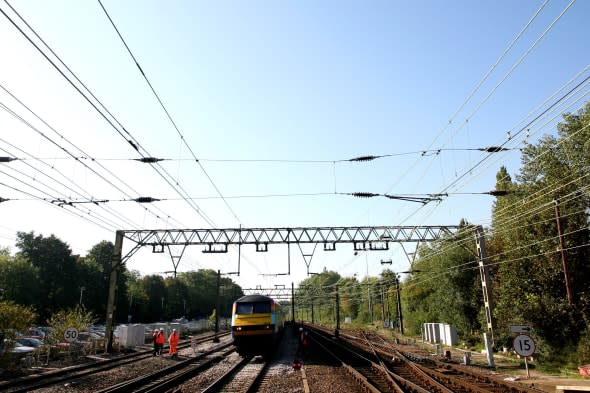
<point>170,377</point>
<point>369,375</point>
<point>61,376</point>
<point>243,377</point>
<point>412,372</point>
<point>440,376</point>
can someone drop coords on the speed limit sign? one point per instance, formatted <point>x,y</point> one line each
<point>71,334</point>
<point>524,345</point>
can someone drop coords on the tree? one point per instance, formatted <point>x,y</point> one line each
<point>154,286</point>
<point>19,280</point>
<point>137,297</point>
<point>445,287</point>
<point>94,272</point>
<point>529,279</point>
<point>57,270</point>
<point>321,290</point>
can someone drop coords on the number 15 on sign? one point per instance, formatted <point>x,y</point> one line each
<point>524,346</point>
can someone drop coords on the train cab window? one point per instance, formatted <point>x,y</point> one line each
<point>253,308</point>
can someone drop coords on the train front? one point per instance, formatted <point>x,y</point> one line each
<point>254,324</point>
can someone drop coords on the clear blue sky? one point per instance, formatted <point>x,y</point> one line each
<point>275,81</point>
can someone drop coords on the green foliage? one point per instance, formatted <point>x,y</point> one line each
<point>45,275</point>
<point>15,318</point>
<point>583,350</point>
<point>444,288</point>
<point>526,264</point>
<point>319,290</point>
<point>77,317</point>
<point>57,270</point>
<point>213,317</point>
<point>19,280</point>
<point>94,275</point>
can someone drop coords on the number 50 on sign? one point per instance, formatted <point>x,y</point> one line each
<point>524,345</point>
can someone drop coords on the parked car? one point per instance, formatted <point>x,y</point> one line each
<point>15,348</point>
<point>36,333</point>
<point>29,341</point>
<point>87,336</point>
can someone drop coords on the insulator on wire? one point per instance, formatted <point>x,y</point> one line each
<point>364,194</point>
<point>149,160</point>
<point>498,192</point>
<point>7,159</point>
<point>3,200</point>
<point>146,199</point>
<point>364,158</point>
<point>493,149</point>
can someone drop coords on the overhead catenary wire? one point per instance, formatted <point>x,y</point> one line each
<point>559,142</point>
<point>513,67</point>
<point>29,125</point>
<point>509,73</point>
<point>182,137</point>
<point>546,189</point>
<point>553,119</point>
<point>366,158</point>
<point>110,211</point>
<point>521,130</point>
<point>506,76</point>
<point>549,122</point>
<point>131,141</point>
<point>546,207</point>
<point>540,107</point>
<point>52,198</point>
<point>65,208</point>
<point>477,87</point>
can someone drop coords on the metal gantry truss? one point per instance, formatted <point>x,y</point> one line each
<point>280,293</point>
<point>364,238</point>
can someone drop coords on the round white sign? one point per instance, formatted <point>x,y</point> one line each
<point>71,334</point>
<point>524,345</point>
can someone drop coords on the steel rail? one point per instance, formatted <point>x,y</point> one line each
<point>25,384</point>
<point>163,379</point>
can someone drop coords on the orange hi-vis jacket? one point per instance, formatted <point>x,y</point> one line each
<point>160,337</point>
<point>173,339</point>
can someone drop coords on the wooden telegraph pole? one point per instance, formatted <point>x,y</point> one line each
<point>568,288</point>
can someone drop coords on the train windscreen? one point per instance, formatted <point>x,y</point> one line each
<point>253,308</point>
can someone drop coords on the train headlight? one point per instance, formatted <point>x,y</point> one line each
<point>239,328</point>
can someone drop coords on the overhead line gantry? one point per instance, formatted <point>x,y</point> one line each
<point>363,238</point>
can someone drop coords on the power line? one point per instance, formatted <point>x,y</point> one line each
<point>522,129</point>
<point>30,126</point>
<point>83,216</point>
<point>506,76</point>
<point>365,158</point>
<point>168,113</point>
<point>476,89</point>
<point>131,141</point>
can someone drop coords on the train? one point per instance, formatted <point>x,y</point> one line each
<point>256,324</point>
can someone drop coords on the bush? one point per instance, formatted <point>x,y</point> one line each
<point>583,351</point>
<point>77,317</point>
<point>13,318</point>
